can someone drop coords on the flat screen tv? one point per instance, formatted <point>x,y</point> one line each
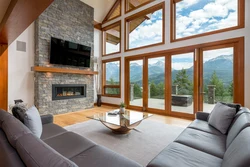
<point>69,53</point>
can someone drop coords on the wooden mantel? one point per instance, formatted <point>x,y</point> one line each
<point>62,70</point>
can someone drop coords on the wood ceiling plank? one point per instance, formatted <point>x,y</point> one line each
<point>19,17</point>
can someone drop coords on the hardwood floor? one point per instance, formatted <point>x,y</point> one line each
<point>81,116</point>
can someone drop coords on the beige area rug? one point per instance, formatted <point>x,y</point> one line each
<point>140,145</point>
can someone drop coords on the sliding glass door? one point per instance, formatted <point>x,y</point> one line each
<point>182,95</point>
<point>181,83</point>
<point>135,84</point>
<point>156,83</point>
<point>217,79</point>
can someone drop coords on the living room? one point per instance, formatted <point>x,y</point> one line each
<point>165,61</point>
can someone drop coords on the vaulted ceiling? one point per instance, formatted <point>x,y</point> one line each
<point>101,8</point>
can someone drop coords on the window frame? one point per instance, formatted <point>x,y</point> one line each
<point>241,22</point>
<point>104,39</point>
<point>104,85</point>
<point>139,14</point>
<point>143,4</point>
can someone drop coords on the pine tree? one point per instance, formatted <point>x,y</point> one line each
<point>219,87</point>
<point>184,84</point>
<point>137,91</point>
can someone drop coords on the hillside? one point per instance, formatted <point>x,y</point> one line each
<point>223,65</point>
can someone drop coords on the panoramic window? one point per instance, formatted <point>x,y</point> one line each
<point>134,4</point>
<point>145,28</point>
<point>114,12</point>
<point>198,16</point>
<point>111,38</point>
<point>111,77</point>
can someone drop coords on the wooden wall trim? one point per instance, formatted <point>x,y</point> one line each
<point>23,13</point>
<point>4,77</point>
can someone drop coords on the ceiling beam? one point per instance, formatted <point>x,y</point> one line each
<point>116,4</point>
<point>19,16</point>
<point>97,25</point>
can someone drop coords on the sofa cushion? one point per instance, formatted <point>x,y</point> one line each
<point>178,155</point>
<point>221,117</point>
<point>13,129</point>
<point>238,153</point>
<point>239,124</point>
<point>203,141</point>
<point>33,121</point>
<point>34,152</point>
<point>99,156</point>
<point>204,126</point>
<point>19,110</point>
<point>69,144</point>
<point>51,130</point>
<point>8,155</point>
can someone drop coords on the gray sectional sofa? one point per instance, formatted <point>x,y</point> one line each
<point>57,147</point>
<point>201,145</point>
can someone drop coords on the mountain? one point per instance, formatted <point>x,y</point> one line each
<point>223,65</point>
<point>112,71</point>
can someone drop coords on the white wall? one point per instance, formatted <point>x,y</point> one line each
<point>21,79</point>
<point>97,65</point>
<point>168,45</point>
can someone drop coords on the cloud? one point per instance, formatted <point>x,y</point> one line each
<point>204,17</point>
<point>148,32</point>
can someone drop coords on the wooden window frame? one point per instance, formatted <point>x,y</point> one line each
<point>146,11</point>
<point>129,10</point>
<point>239,73</point>
<point>241,22</point>
<point>104,86</point>
<point>104,39</point>
<point>105,20</point>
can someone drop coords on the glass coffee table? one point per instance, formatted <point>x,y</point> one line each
<point>121,123</point>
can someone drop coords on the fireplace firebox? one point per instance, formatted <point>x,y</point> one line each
<point>68,91</point>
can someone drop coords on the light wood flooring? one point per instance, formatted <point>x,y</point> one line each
<point>81,116</point>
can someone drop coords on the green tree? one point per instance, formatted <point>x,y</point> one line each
<point>161,91</point>
<point>219,87</point>
<point>112,91</point>
<point>153,90</point>
<point>230,89</point>
<point>184,84</point>
<point>137,91</point>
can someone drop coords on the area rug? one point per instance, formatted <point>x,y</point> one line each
<point>140,145</point>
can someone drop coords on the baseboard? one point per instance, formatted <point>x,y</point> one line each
<point>112,105</point>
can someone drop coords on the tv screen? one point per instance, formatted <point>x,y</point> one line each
<point>69,53</point>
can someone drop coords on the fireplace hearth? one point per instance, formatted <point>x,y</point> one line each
<point>68,91</point>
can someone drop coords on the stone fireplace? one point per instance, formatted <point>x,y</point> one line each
<point>70,21</point>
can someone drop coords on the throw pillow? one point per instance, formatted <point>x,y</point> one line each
<point>33,121</point>
<point>221,117</point>
<point>233,105</point>
<point>18,111</point>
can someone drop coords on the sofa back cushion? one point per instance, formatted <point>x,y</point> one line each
<point>33,121</point>
<point>12,127</point>
<point>238,153</point>
<point>241,122</point>
<point>34,152</point>
<point>221,117</point>
<point>8,155</point>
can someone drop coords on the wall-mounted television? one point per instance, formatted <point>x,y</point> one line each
<point>69,53</point>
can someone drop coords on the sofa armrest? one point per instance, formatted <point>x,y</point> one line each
<point>202,116</point>
<point>46,119</point>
